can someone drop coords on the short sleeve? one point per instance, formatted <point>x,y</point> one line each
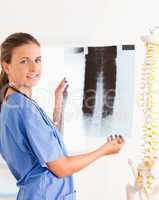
<point>41,137</point>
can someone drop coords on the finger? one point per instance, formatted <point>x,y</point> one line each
<point>116,141</point>
<point>108,139</point>
<point>64,84</point>
<point>111,137</point>
<point>121,141</point>
<point>65,80</point>
<point>121,138</point>
<point>65,87</point>
<point>65,91</point>
<point>61,84</point>
<point>116,136</point>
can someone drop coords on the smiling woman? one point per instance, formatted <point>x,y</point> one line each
<point>21,61</point>
<point>30,142</point>
<point>26,64</point>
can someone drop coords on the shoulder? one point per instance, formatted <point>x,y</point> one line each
<point>16,100</point>
<point>20,111</point>
<point>19,103</point>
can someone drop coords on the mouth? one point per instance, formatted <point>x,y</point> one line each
<point>33,76</point>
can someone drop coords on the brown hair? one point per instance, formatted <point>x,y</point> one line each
<point>7,47</point>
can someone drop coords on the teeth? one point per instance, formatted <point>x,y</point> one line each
<point>33,76</point>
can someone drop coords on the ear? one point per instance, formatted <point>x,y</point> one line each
<point>5,67</point>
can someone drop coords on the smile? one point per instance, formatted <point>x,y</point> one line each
<point>33,76</point>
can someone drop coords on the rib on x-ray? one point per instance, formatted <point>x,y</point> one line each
<point>100,61</point>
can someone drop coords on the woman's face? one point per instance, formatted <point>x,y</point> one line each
<point>25,67</point>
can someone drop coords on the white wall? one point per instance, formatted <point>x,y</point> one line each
<point>107,22</point>
<point>85,23</point>
<point>44,19</point>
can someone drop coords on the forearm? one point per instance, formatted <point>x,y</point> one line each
<point>57,114</point>
<point>60,100</point>
<point>77,163</point>
<point>68,165</point>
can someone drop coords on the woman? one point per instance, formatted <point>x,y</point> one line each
<point>30,143</point>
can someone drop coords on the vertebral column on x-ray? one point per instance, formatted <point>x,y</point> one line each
<point>100,60</point>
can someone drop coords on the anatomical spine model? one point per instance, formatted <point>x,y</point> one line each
<point>146,184</point>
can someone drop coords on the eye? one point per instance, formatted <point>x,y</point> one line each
<point>38,60</point>
<point>24,62</point>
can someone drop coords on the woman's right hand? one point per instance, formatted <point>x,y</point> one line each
<point>61,89</point>
<point>113,145</point>
<point>68,165</point>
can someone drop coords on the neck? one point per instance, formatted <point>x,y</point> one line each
<point>24,89</point>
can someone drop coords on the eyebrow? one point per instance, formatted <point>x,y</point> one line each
<point>29,58</point>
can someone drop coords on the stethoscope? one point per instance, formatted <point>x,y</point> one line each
<point>34,102</point>
<point>15,89</point>
<point>48,121</point>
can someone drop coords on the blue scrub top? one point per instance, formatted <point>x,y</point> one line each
<point>28,140</point>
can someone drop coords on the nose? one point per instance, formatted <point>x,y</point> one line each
<point>34,67</point>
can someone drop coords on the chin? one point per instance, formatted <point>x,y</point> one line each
<point>33,84</point>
